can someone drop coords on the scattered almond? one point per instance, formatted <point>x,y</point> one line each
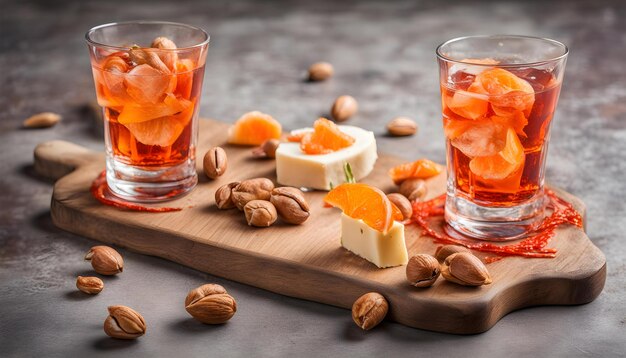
<point>402,126</point>
<point>215,162</point>
<point>89,285</point>
<point>42,120</point>
<point>320,71</point>
<point>124,323</point>
<point>402,203</point>
<point>344,108</point>
<point>369,310</point>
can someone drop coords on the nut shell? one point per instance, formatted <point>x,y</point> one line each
<point>344,108</point>
<point>105,260</point>
<point>124,323</point>
<point>290,204</point>
<point>422,270</point>
<point>224,196</point>
<point>267,149</point>
<point>413,189</point>
<point>210,304</point>
<point>321,71</point>
<point>215,162</point>
<point>402,126</point>
<point>465,269</point>
<point>252,189</point>
<point>402,203</point>
<point>444,251</point>
<point>90,285</point>
<point>260,213</point>
<point>369,310</point>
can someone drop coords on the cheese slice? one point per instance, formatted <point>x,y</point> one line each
<point>383,250</point>
<point>295,168</point>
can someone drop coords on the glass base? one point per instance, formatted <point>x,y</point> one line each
<point>154,184</point>
<point>493,223</point>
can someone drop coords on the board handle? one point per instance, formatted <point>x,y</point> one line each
<point>57,158</point>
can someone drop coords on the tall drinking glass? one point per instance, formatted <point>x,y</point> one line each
<point>148,78</point>
<point>499,94</point>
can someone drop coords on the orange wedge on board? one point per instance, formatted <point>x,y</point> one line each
<point>365,202</point>
<point>254,128</point>
<point>325,138</point>
<point>419,169</point>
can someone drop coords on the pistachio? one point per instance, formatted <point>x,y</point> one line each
<point>224,196</point>
<point>42,120</point>
<point>105,260</point>
<point>402,203</point>
<point>422,270</point>
<point>215,162</point>
<point>149,57</point>
<point>169,58</point>
<point>413,189</point>
<point>401,126</point>
<point>344,108</point>
<point>252,189</point>
<point>465,269</point>
<point>290,204</point>
<point>267,149</point>
<point>260,213</point>
<point>444,251</point>
<point>210,304</point>
<point>320,71</point>
<point>90,285</point>
<point>124,323</point>
<point>369,310</point>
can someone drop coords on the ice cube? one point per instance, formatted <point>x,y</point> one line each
<point>148,85</point>
<point>481,138</point>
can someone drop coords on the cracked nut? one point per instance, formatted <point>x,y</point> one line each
<point>89,285</point>
<point>42,120</point>
<point>444,251</point>
<point>215,162</point>
<point>260,213</point>
<point>150,57</point>
<point>210,304</point>
<point>105,260</point>
<point>465,269</point>
<point>401,127</point>
<point>402,203</point>
<point>422,270</point>
<point>224,196</point>
<point>290,204</point>
<point>267,149</point>
<point>320,71</point>
<point>413,189</point>
<point>124,323</point>
<point>252,189</point>
<point>344,108</point>
<point>169,58</point>
<point>369,310</point>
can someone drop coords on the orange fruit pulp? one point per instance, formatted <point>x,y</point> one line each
<point>254,128</point>
<point>325,138</point>
<point>419,169</point>
<point>365,202</point>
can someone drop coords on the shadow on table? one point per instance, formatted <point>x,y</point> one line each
<point>109,344</point>
<point>190,325</point>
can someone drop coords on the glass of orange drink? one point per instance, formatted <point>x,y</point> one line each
<point>498,96</point>
<point>148,78</point>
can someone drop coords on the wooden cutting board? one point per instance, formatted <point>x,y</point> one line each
<point>307,261</point>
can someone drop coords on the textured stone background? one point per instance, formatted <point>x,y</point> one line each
<point>383,53</point>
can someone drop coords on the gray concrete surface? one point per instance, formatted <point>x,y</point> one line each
<point>384,56</point>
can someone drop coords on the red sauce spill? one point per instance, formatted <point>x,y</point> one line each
<point>100,191</point>
<point>533,245</point>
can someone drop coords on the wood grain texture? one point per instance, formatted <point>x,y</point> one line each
<point>307,261</point>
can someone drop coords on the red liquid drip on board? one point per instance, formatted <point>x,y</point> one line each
<point>99,190</point>
<point>532,246</point>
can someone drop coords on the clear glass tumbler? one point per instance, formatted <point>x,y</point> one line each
<point>148,77</point>
<point>498,96</point>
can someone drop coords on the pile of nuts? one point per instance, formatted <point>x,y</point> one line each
<point>262,203</point>
<point>209,304</point>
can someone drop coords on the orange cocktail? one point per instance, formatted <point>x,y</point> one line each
<point>498,95</point>
<point>148,79</point>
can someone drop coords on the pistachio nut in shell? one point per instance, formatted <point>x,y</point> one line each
<point>465,269</point>
<point>105,260</point>
<point>369,310</point>
<point>210,304</point>
<point>124,323</point>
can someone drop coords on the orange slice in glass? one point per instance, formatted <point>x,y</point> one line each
<point>254,128</point>
<point>162,131</point>
<point>365,202</point>
<point>419,169</point>
<point>507,90</point>
<point>325,138</point>
<point>501,165</point>
<point>138,113</point>
<point>470,104</point>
